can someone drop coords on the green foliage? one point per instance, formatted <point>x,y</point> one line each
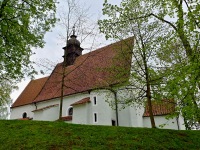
<point>6,87</point>
<point>22,27</point>
<point>175,52</point>
<point>146,35</point>
<point>182,84</point>
<point>58,135</point>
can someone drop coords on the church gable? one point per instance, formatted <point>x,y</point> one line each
<point>30,92</point>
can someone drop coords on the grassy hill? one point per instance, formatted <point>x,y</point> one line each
<point>37,135</point>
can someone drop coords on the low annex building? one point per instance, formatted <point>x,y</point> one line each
<point>87,95</point>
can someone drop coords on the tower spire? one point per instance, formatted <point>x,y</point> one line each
<point>73,30</point>
<point>72,49</point>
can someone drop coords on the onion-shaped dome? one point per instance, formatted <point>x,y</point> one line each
<point>73,41</point>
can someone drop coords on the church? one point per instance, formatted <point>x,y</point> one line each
<point>89,89</point>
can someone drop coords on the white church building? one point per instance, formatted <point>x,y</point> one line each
<point>88,96</point>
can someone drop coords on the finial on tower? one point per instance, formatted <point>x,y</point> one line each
<point>72,49</point>
<point>73,30</point>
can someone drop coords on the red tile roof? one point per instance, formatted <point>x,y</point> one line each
<point>89,71</point>
<point>83,101</point>
<point>30,92</point>
<point>160,108</point>
<point>67,118</point>
<point>25,118</point>
<point>43,108</point>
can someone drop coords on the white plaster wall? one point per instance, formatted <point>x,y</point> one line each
<point>135,117</point>
<point>159,120</point>
<point>49,114</point>
<point>80,114</point>
<point>139,115</point>
<point>181,123</point>
<point>124,117</point>
<point>38,115</point>
<point>128,116</point>
<point>52,113</point>
<point>131,115</point>
<point>47,103</point>
<point>17,112</point>
<point>68,100</point>
<point>103,110</point>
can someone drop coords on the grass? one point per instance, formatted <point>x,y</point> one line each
<point>41,135</point>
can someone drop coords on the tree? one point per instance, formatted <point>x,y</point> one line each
<point>181,84</point>
<point>22,27</point>
<point>72,19</point>
<point>182,21</point>
<point>6,88</point>
<point>143,77</point>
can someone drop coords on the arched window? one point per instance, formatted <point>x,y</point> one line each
<point>70,111</point>
<point>24,115</point>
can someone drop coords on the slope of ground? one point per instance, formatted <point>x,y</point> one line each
<point>27,135</point>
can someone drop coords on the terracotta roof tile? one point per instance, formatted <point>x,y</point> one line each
<point>67,118</point>
<point>83,101</point>
<point>25,118</point>
<point>160,108</point>
<point>47,107</point>
<point>88,71</point>
<point>30,92</point>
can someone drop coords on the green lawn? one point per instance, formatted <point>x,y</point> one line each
<point>37,135</point>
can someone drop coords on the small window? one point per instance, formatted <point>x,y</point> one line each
<point>95,117</point>
<point>95,100</point>
<point>24,115</point>
<point>70,111</point>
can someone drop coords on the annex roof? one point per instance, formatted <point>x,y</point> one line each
<point>159,108</point>
<point>82,101</point>
<point>46,107</point>
<point>30,92</point>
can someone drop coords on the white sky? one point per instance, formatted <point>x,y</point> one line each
<point>53,48</point>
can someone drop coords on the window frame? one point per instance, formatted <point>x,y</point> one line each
<point>94,100</point>
<point>68,111</point>
<point>95,117</point>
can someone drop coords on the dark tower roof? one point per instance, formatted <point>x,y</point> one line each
<point>73,41</point>
<point>72,50</point>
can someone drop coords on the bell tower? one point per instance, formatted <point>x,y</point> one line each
<point>72,50</point>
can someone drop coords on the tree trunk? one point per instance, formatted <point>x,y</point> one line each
<point>62,86</point>
<point>62,91</point>
<point>153,125</point>
<point>148,91</point>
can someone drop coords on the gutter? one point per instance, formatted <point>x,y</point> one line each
<point>177,120</point>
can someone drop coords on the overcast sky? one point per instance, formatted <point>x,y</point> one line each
<point>53,48</point>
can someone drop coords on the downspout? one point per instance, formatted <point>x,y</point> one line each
<point>35,105</point>
<point>116,108</point>
<point>178,122</point>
